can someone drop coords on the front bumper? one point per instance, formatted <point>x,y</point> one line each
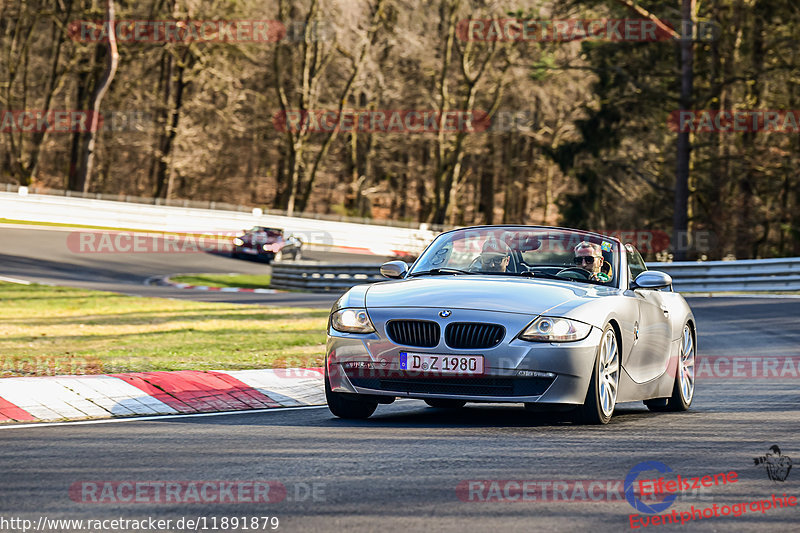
<point>369,364</point>
<point>252,251</point>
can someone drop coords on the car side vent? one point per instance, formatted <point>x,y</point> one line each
<point>473,335</point>
<point>422,333</point>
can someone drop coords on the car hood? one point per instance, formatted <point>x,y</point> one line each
<point>489,293</point>
<point>260,240</point>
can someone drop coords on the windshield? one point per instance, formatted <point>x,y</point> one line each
<point>523,251</point>
<point>272,232</point>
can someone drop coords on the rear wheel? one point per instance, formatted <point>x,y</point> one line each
<point>601,398</point>
<point>446,404</point>
<point>683,389</point>
<point>348,405</point>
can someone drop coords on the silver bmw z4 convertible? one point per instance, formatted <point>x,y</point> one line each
<point>556,319</point>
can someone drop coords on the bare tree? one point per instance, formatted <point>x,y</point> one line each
<point>112,60</point>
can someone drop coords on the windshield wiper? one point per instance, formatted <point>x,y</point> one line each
<point>438,271</point>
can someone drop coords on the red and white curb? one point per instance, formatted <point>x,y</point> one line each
<point>165,281</point>
<point>26,399</point>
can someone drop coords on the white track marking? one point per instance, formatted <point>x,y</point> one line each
<point>161,417</point>
<point>15,280</point>
<point>300,387</point>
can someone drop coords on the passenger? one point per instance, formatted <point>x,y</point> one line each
<point>494,257</point>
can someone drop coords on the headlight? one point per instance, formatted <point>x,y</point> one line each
<point>238,242</point>
<point>351,321</point>
<point>551,329</point>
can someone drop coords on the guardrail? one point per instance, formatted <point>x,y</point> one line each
<point>319,234</point>
<point>711,276</point>
<point>210,205</point>
<point>734,276</point>
<point>321,277</point>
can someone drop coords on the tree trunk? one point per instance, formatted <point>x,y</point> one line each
<point>680,218</point>
<point>163,172</point>
<point>112,59</point>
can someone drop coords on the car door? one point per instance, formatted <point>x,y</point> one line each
<point>652,335</point>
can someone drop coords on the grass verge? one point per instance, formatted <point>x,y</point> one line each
<point>244,281</point>
<point>57,330</point>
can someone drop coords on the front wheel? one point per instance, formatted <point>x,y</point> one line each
<point>348,405</point>
<point>683,389</point>
<point>446,404</point>
<point>601,398</point>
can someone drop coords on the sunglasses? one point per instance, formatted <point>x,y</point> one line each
<point>585,259</point>
<point>493,262</point>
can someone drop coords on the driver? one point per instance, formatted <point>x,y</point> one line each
<point>495,256</point>
<point>589,256</point>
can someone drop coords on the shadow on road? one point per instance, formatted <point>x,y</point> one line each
<point>418,415</point>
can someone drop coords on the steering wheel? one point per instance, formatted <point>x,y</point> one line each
<point>474,265</point>
<point>581,273</point>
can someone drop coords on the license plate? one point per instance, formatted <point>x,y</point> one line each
<point>250,251</point>
<point>442,364</point>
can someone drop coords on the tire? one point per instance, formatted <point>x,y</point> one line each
<point>446,404</point>
<point>278,256</point>
<point>683,388</point>
<point>348,405</point>
<point>601,398</point>
<point>298,255</point>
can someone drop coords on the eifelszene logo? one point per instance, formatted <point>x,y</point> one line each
<point>778,466</point>
<point>637,501</point>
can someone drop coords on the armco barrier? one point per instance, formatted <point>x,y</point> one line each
<point>688,277</point>
<point>322,278</point>
<point>733,276</point>
<point>319,234</point>
<point>208,205</point>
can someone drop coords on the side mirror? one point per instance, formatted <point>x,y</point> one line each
<point>651,279</point>
<point>394,269</point>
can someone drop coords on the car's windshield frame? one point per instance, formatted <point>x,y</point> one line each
<point>423,263</point>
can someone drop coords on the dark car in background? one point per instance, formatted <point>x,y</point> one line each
<point>267,244</point>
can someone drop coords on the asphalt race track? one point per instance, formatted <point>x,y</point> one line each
<point>42,254</point>
<point>400,470</point>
